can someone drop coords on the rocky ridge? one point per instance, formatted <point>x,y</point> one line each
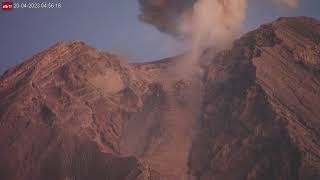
<point>71,112</point>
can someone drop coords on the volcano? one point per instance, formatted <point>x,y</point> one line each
<point>250,112</point>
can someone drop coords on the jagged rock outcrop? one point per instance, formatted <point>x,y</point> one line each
<point>260,116</point>
<point>62,114</point>
<point>72,112</point>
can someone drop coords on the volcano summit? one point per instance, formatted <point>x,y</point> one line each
<point>248,113</point>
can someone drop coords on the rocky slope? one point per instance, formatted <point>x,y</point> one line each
<point>250,113</point>
<point>261,115</point>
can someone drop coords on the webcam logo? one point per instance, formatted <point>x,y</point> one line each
<point>7,6</point>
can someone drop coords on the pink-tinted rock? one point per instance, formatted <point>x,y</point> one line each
<point>71,112</point>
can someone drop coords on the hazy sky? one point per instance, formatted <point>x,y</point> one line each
<point>109,25</point>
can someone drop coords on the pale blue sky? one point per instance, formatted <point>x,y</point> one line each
<point>109,25</point>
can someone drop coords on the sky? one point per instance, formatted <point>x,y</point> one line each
<point>108,25</point>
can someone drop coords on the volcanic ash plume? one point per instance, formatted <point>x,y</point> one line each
<point>203,23</point>
<point>214,23</point>
<point>288,3</point>
<point>165,14</point>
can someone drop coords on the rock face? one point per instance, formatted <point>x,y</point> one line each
<point>251,112</point>
<point>260,115</point>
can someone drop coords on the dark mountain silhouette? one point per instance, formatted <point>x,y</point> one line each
<point>248,113</point>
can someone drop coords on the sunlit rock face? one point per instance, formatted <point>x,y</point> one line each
<point>251,112</point>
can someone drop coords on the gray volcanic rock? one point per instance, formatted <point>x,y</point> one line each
<point>72,112</point>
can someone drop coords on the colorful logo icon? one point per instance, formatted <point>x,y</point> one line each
<point>7,6</point>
